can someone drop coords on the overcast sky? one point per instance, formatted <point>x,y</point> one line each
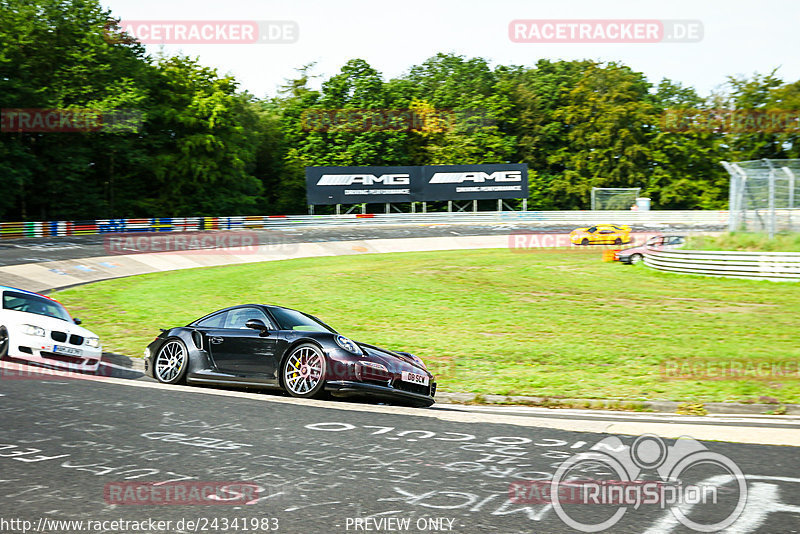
<point>740,37</point>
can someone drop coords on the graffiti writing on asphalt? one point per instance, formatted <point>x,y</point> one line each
<point>70,447</point>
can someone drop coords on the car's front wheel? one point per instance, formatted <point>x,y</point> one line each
<point>171,362</point>
<point>3,342</point>
<point>303,372</point>
<point>584,241</point>
<point>636,258</point>
<point>618,241</point>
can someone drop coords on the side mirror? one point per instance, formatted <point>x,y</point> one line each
<point>76,320</point>
<point>256,324</point>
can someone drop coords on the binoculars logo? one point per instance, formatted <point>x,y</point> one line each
<point>649,472</point>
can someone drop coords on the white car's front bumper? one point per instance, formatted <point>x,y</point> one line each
<point>43,350</point>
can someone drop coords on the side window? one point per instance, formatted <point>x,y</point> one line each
<point>238,317</point>
<point>215,321</point>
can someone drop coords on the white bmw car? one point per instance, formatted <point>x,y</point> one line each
<point>38,329</point>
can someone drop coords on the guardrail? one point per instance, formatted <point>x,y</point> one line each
<point>775,266</point>
<point>183,224</point>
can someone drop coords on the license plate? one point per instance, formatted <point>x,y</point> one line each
<point>67,350</point>
<point>414,378</point>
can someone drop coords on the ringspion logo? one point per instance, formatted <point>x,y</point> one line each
<point>683,478</point>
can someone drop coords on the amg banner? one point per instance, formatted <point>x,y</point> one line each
<point>475,182</point>
<point>355,185</point>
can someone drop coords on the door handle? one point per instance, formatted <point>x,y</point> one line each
<point>216,340</point>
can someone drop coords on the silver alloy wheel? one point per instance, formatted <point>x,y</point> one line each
<point>303,370</point>
<point>170,361</point>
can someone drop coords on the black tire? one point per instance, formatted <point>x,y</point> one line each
<point>618,241</point>
<point>171,362</point>
<point>584,241</point>
<point>636,258</point>
<point>4,343</point>
<point>303,372</point>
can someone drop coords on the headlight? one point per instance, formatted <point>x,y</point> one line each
<point>93,341</point>
<point>348,345</point>
<point>376,366</point>
<point>32,330</point>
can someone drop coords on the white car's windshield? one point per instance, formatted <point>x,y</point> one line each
<point>24,302</point>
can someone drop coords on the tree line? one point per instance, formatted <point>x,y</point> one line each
<point>179,139</point>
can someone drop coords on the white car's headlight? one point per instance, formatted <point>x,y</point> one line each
<point>32,330</point>
<point>93,341</point>
<point>348,345</point>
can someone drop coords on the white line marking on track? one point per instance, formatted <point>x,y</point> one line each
<point>120,367</point>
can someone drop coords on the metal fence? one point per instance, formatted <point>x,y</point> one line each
<point>764,195</point>
<point>614,198</point>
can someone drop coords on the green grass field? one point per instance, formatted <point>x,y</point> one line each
<point>557,323</point>
<point>750,242</point>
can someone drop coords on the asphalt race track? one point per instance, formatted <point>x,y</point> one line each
<point>34,250</point>
<point>75,448</point>
<point>318,465</point>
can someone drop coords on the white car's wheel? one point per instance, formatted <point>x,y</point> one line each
<point>636,258</point>
<point>4,343</point>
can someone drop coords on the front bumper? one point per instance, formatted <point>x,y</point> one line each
<point>37,349</point>
<point>347,388</point>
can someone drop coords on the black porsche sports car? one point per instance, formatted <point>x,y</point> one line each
<point>257,345</point>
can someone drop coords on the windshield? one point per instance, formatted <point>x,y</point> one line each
<point>294,320</point>
<point>24,302</point>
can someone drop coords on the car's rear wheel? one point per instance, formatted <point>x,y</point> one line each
<point>171,362</point>
<point>618,241</point>
<point>584,241</point>
<point>636,258</point>
<point>303,372</point>
<point>3,342</point>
